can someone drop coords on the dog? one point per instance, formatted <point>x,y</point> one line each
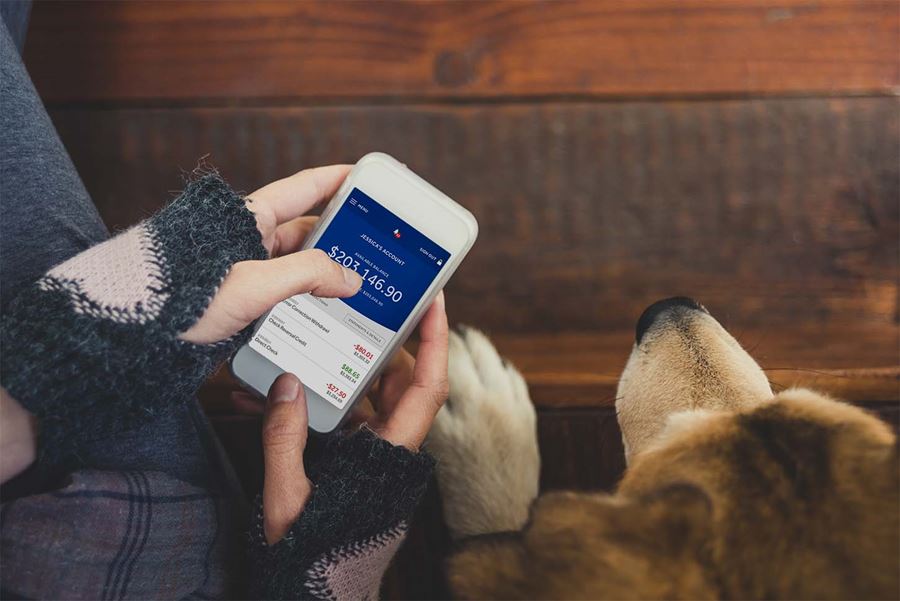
<point>731,490</point>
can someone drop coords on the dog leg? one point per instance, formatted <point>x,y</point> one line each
<point>485,441</point>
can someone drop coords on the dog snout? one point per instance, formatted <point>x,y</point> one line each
<point>664,309</point>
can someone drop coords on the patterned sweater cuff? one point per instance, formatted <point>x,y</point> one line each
<point>366,490</point>
<point>92,348</point>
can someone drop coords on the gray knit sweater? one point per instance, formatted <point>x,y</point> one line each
<point>93,349</point>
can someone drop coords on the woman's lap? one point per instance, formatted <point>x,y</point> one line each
<point>46,217</point>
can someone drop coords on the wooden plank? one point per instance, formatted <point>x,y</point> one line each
<point>202,51</point>
<point>580,450</point>
<point>773,213</point>
<point>853,362</point>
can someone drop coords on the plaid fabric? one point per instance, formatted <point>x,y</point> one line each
<point>118,535</point>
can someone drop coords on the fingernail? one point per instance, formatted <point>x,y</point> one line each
<point>352,278</point>
<point>288,392</point>
<point>440,298</point>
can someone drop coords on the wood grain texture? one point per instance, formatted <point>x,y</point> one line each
<point>853,362</point>
<point>770,212</point>
<point>227,51</point>
<point>581,370</point>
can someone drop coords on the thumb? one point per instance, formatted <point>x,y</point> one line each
<point>285,487</point>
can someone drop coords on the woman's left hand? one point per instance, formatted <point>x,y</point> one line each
<point>407,399</point>
<point>253,287</point>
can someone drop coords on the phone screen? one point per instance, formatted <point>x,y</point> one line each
<point>331,344</point>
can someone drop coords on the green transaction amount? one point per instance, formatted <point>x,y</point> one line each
<point>348,370</point>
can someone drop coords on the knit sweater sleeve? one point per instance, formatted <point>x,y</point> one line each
<point>365,492</point>
<point>93,347</point>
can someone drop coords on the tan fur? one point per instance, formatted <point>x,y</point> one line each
<point>736,494</point>
<point>691,363</point>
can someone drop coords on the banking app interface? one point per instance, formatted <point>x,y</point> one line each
<point>331,344</point>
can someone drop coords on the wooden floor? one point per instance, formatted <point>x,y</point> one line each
<point>743,153</point>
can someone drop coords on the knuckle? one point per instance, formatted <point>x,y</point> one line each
<point>280,436</point>
<point>441,392</point>
<point>436,391</point>
<point>323,265</point>
<point>442,386</point>
<point>335,270</point>
<point>318,256</point>
<point>332,271</point>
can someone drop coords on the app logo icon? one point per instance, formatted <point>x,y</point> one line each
<point>396,233</point>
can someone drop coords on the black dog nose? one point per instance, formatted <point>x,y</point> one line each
<point>653,311</point>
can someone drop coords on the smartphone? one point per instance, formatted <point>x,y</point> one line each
<point>405,238</point>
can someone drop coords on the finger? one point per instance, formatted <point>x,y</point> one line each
<point>285,487</point>
<point>260,285</point>
<point>295,195</point>
<point>360,414</point>
<point>289,236</point>
<point>414,413</point>
<point>394,381</point>
<point>431,359</point>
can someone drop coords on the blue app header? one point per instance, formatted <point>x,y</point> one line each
<point>396,261</point>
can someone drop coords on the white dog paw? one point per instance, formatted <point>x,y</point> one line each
<point>485,441</point>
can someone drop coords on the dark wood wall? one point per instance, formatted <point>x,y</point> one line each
<point>743,153</point>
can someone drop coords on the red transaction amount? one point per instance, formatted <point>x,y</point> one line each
<point>337,391</point>
<point>363,352</point>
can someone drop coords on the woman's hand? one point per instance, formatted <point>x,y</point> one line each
<point>407,398</point>
<point>286,487</point>
<point>253,287</point>
<point>410,391</point>
<point>18,437</point>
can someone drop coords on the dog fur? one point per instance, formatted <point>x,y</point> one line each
<point>731,491</point>
<point>486,424</point>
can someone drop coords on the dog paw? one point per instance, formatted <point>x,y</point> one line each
<point>485,441</point>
